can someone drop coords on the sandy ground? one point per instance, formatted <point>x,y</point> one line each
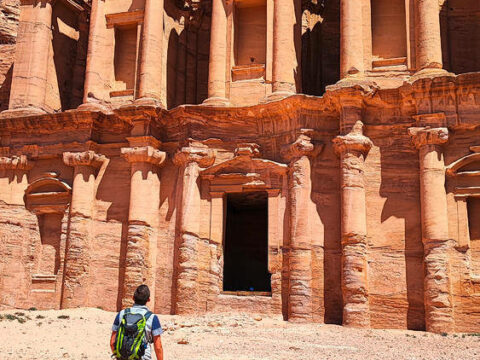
<point>84,334</point>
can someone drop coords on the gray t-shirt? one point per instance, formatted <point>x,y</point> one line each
<point>152,327</point>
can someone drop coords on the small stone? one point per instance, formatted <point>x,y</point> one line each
<point>183,341</point>
<point>214,324</point>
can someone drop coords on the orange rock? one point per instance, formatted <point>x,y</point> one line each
<point>356,207</point>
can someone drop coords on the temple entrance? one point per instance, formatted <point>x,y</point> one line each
<point>246,243</point>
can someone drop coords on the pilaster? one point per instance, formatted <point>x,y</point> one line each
<point>436,242</point>
<point>284,52</point>
<point>429,43</point>
<point>150,77</point>
<point>79,243</point>
<point>351,38</point>
<point>94,87</point>
<point>352,150</point>
<point>29,79</point>
<point>299,155</point>
<point>190,159</point>
<point>217,80</point>
<point>140,259</point>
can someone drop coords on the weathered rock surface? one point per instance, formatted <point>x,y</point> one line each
<point>358,207</point>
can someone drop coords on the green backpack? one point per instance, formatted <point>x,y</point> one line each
<point>130,343</point>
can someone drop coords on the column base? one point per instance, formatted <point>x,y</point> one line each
<point>277,96</point>
<point>149,101</point>
<point>21,112</point>
<point>356,316</point>
<point>217,102</point>
<point>94,107</point>
<point>430,73</point>
<point>358,79</point>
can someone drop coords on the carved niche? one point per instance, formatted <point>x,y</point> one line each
<point>48,198</point>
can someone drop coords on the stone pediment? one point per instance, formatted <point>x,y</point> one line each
<point>245,172</point>
<point>467,166</point>
<point>47,195</point>
<point>465,173</point>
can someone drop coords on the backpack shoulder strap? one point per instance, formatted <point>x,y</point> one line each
<point>147,315</point>
<point>127,311</point>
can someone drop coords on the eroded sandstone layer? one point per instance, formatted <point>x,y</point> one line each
<point>185,145</point>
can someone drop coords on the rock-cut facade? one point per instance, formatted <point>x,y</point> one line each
<point>316,160</point>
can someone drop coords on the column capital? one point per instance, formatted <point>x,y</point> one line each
<point>248,149</point>
<point>354,141</point>
<point>84,158</point>
<point>422,136</point>
<point>203,156</point>
<point>303,146</point>
<point>15,163</point>
<point>145,154</point>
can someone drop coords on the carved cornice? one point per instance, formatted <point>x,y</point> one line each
<point>85,158</point>
<point>303,146</point>
<point>354,141</point>
<point>146,154</point>
<point>15,163</point>
<point>203,156</point>
<point>422,136</point>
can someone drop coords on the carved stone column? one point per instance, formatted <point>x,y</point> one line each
<point>436,242</point>
<point>217,69</point>
<point>353,149</point>
<point>190,160</point>
<point>150,86</point>
<point>284,54</point>
<point>77,257</point>
<point>429,43</point>
<point>299,155</point>
<point>29,79</point>
<point>143,211</point>
<point>94,87</point>
<point>351,38</point>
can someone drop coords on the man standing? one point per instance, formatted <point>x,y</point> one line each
<point>137,328</point>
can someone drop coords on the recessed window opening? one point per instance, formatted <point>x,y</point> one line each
<point>246,243</point>
<point>389,34</point>
<point>125,57</point>
<point>250,32</point>
<point>49,253</point>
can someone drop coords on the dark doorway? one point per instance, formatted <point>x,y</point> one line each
<point>246,243</point>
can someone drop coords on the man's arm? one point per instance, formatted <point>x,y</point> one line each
<point>157,341</point>
<point>157,346</point>
<point>112,341</point>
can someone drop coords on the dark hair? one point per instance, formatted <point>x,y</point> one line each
<point>141,295</point>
